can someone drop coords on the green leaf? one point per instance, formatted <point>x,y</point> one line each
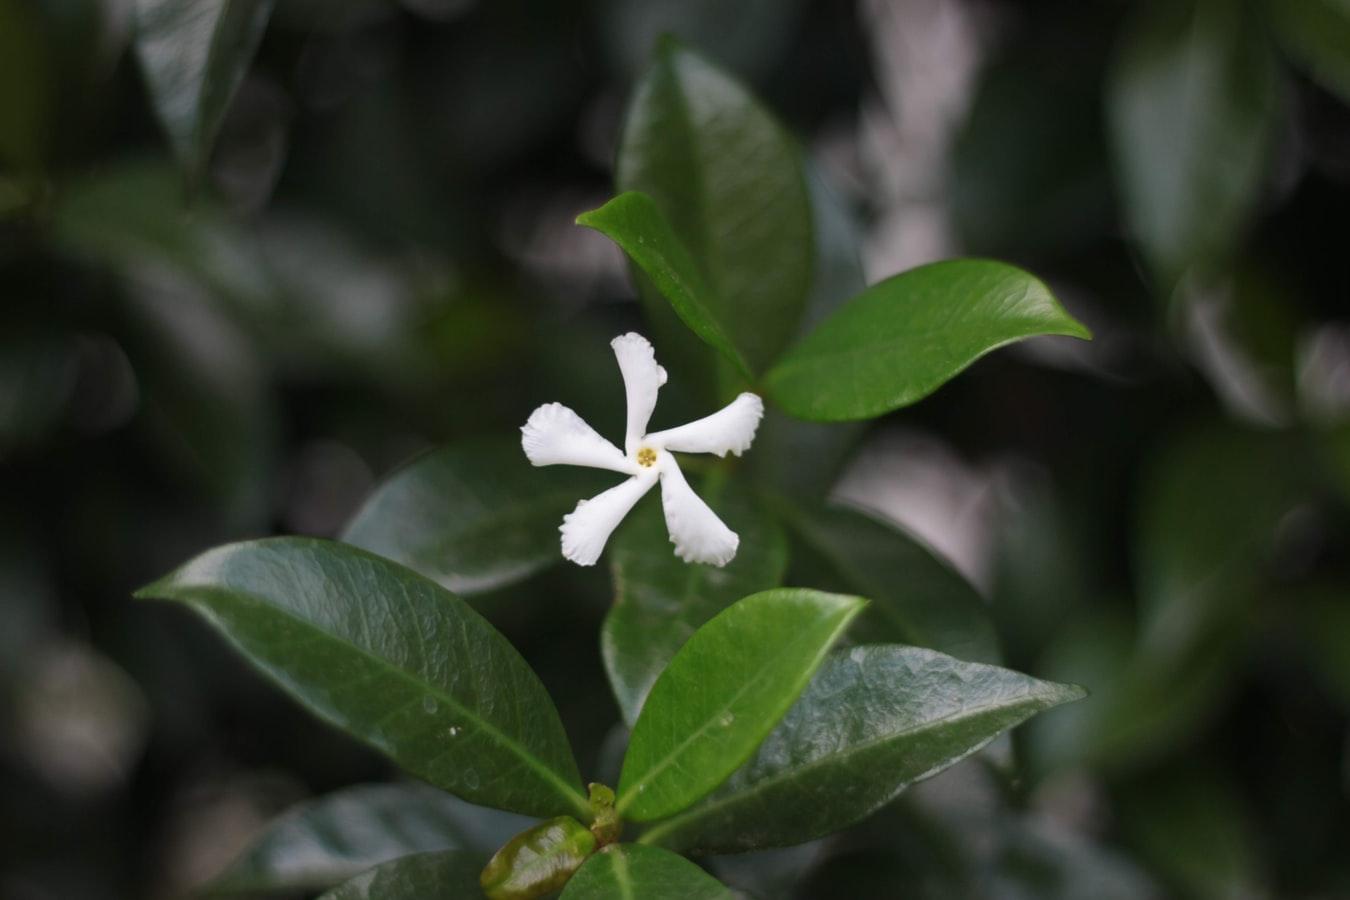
<point>325,841</point>
<point>874,720</point>
<point>472,517</point>
<point>194,54</point>
<point>1192,107</point>
<point>635,872</point>
<point>901,339</point>
<point>661,601</point>
<point>633,221</point>
<point>723,692</point>
<point>916,597</point>
<point>538,861</point>
<point>451,873</point>
<point>392,658</point>
<point>1316,33</point>
<point>729,180</point>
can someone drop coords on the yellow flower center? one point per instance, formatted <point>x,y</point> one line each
<point>646,457</point>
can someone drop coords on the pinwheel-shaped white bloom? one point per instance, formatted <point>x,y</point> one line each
<point>555,435</point>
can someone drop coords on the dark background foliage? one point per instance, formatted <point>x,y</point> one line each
<point>382,258</point>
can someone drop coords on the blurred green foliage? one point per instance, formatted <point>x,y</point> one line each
<point>379,258</point>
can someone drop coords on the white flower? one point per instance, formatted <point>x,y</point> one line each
<point>555,435</point>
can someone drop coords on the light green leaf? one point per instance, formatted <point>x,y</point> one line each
<point>633,221</point>
<point>538,861</point>
<point>472,517</point>
<point>1192,108</point>
<point>194,54</point>
<point>1316,33</point>
<point>635,872</point>
<point>661,601</point>
<point>901,339</point>
<point>723,692</point>
<point>392,658</point>
<point>916,597</point>
<point>450,873</point>
<point>729,180</point>
<point>326,841</point>
<point>874,720</point>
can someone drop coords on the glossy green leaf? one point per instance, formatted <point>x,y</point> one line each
<point>538,861</point>
<point>451,873</point>
<point>635,872</point>
<point>1316,33</point>
<point>723,692</point>
<point>916,597</point>
<point>660,601</point>
<point>633,221</point>
<point>874,720</point>
<point>326,841</point>
<point>392,658</point>
<point>729,180</point>
<point>473,517</point>
<point>901,339</point>
<point>1192,106</point>
<point>194,54</point>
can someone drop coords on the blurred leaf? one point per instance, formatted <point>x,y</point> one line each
<point>328,840</point>
<point>473,516</point>
<point>633,221</point>
<point>450,873</point>
<point>873,721</point>
<point>1316,33</point>
<point>538,861</point>
<point>1028,167</point>
<point>194,54</point>
<point>1190,825</point>
<point>916,597</point>
<point>723,692</point>
<point>1192,106</point>
<point>26,79</point>
<point>730,182</point>
<point>392,658</point>
<point>802,459</point>
<point>37,379</point>
<point>660,601</point>
<point>635,872</point>
<point>901,339</point>
<point>749,36</point>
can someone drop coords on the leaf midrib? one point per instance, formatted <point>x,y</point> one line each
<point>531,761</point>
<point>755,789</point>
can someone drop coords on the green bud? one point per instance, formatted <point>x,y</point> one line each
<point>605,822</point>
<point>538,861</point>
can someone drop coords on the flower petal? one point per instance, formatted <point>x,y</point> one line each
<point>732,428</point>
<point>698,535</point>
<point>642,377</point>
<point>555,435</point>
<point>586,528</point>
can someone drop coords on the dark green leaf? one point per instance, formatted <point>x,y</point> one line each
<point>1192,107</point>
<point>635,872</point>
<point>875,720</point>
<point>326,841</point>
<point>451,873</point>
<point>392,658</point>
<point>723,692</point>
<point>660,601</point>
<point>1316,33</point>
<point>901,339</point>
<point>633,221</point>
<point>916,597</point>
<point>472,517</point>
<point>538,861</point>
<point>195,54</point>
<point>729,180</point>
